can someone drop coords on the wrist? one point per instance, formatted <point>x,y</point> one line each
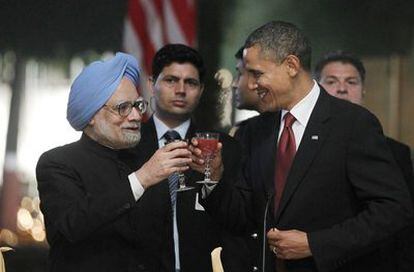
<point>218,173</point>
<point>143,178</point>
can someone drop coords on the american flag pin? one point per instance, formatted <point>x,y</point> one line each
<point>315,137</point>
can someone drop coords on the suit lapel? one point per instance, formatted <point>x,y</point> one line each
<point>268,155</point>
<point>315,134</point>
<point>149,138</point>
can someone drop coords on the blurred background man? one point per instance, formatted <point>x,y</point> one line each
<point>343,75</point>
<point>244,99</point>
<point>177,83</point>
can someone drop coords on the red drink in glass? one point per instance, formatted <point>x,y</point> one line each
<point>207,146</point>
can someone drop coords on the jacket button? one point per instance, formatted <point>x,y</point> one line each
<point>255,268</point>
<point>254,235</point>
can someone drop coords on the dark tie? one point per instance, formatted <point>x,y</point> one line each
<point>170,136</point>
<point>284,157</point>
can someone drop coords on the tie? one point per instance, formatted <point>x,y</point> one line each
<point>284,157</point>
<point>170,136</point>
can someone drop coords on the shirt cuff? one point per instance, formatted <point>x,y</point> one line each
<point>136,186</point>
<point>206,190</point>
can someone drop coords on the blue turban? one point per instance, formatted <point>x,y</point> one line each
<point>95,85</point>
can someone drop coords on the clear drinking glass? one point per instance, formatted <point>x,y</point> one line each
<point>207,143</point>
<point>182,186</point>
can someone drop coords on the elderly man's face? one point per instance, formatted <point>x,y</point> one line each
<point>245,98</point>
<point>111,129</point>
<point>343,81</point>
<point>177,91</point>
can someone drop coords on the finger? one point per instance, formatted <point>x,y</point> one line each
<point>272,233</point>
<point>194,150</point>
<point>179,152</point>
<point>177,162</point>
<point>194,142</point>
<point>175,145</point>
<point>197,160</point>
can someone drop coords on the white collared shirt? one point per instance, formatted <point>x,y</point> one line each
<point>302,112</point>
<point>162,128</point>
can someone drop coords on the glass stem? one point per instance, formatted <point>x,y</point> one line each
<point>181,180</point>
<point>207,170</point>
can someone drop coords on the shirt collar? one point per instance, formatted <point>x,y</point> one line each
<point>303,109</point>
<point>161,128</point>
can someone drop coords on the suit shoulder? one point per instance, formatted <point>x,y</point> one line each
<point>352,112</point>
<point>60,153</point>
<point>396,145</point>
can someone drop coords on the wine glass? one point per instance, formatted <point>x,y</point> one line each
<point>207,143</point>
<point>181,177</point>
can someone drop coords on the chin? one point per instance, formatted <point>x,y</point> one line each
<point>131,140</point>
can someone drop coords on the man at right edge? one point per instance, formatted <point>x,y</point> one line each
<point>320,165</point>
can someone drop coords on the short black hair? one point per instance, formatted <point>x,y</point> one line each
<point>341,56</point>
<point>179,53</point>
<point>239,53</point>
<point>280,39</point>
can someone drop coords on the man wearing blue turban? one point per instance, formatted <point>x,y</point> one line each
<point>100,214</point>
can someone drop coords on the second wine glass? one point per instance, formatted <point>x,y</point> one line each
<point>207,143</point>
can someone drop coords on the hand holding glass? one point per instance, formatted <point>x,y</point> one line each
<point>181,177</point>
<point>207,143</point>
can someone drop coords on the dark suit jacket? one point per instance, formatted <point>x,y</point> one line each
<point>399,251</point>
<point>199,233</point>
<point>343,189</point>
<point>93,222</point>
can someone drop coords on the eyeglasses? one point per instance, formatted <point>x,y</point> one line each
<point>125,108</point>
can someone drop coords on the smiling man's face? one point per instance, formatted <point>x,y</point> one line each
<point>269,79</point>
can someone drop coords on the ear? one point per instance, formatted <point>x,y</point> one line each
<point>293,65</point>
<point>201,89</point>
<point>92,122</point>
<point>150,84</point>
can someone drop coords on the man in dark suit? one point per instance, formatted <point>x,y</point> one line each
<point>318,176</point>
<point>177,85</point>
<point>100,214</point>
<point>343,75</point>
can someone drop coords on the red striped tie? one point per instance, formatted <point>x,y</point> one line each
<point>284,157</point>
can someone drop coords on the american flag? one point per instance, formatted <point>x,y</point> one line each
<point>150,24</point>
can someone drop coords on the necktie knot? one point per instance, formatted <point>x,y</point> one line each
<point>171,135</point>
<point>289,119</point>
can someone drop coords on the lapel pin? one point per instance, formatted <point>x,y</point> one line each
<point>315,137</point>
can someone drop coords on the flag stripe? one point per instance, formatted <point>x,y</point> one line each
<point>150,24</point>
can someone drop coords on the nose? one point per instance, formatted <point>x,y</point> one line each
<point>135,115</point>
<point>342,88</point>
<point>180,89</point>
<point>252,83</point>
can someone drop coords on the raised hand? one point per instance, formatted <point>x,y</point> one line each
<point>173,157</point>
<point>198,162</point>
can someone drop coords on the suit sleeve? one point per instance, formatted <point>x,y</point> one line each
<point>70,209</point>
<point>405,238</point>
<point>230,201</point>
<point>383,196</point>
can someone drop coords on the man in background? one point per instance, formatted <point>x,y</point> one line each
<point>244,98</point>
<point>343,75</point>
<point>177,84</point>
